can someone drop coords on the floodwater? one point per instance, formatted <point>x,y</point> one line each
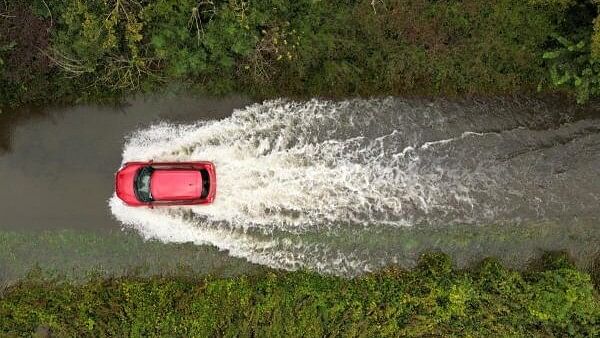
<point>337,187</point>
<point>57,165</point>
<point>56,173</point>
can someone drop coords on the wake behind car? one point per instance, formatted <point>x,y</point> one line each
<point>166,183</point>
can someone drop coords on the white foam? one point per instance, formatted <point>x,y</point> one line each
<point>293,168</point>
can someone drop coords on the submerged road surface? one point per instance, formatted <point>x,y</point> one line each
<point>341,187</point>
<point>56,175</point>
<point>57,165</point>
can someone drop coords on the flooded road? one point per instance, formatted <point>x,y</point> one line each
<point>57,165</point>
<point>56,173</point>
<point>338,187</point>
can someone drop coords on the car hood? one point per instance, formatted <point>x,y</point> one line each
<point>124,184</point>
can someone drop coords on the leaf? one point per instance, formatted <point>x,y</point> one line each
<point>551,55</point>
<point>554,74</point>
<point>563,41</point>
<point>564,79</point>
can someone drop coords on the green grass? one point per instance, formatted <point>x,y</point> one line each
<point>76,255</point>
<point>432,299</point>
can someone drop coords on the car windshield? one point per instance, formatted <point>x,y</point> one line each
<point>142,184</point>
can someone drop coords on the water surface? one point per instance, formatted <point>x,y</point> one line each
<point>56,168</point>
<point>352,186</point>
<point>57,164</point>
<point>339,187</point>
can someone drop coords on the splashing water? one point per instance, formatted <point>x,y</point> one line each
<point>327,185</point>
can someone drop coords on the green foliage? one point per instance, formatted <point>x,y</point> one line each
<point>558,3</point>
<point>99,43</point>
<point>573,56</point>
<point>293,48</point>
<point>431,300</point>
<point>170,39</point>
<point>571,66</point>
<point>595,43</point>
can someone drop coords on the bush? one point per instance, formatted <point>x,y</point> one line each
<point>102,48</point>
<point>87,50</point>
<point>432,299</point>
<point>24,66</point>
<point>573,60</point>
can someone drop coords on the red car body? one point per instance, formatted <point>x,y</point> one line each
<point>166,183</point>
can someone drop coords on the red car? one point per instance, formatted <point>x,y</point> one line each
<point>167,183</point>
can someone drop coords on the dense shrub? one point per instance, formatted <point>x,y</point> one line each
<point>433,299</point>
<point>94,48</point>
<point>24,66</point>
<point>573,56</point>
<point>88,49</point>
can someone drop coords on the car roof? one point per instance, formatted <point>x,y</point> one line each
<point>175,184</point>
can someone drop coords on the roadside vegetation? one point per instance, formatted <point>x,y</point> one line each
<point>88,50</point>
<point>552,299</point>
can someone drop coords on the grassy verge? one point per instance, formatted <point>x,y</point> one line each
<point>88,50</point>
<point>77,255</point>
<point>432,299</point>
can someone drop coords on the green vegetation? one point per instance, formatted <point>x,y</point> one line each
<point>81,50</point>
<point>75,255</point>
<point>574,56</point>
<point>432,299</point>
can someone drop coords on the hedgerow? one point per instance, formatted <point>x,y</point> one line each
<point>433,299</point>
<point>89,49</point>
